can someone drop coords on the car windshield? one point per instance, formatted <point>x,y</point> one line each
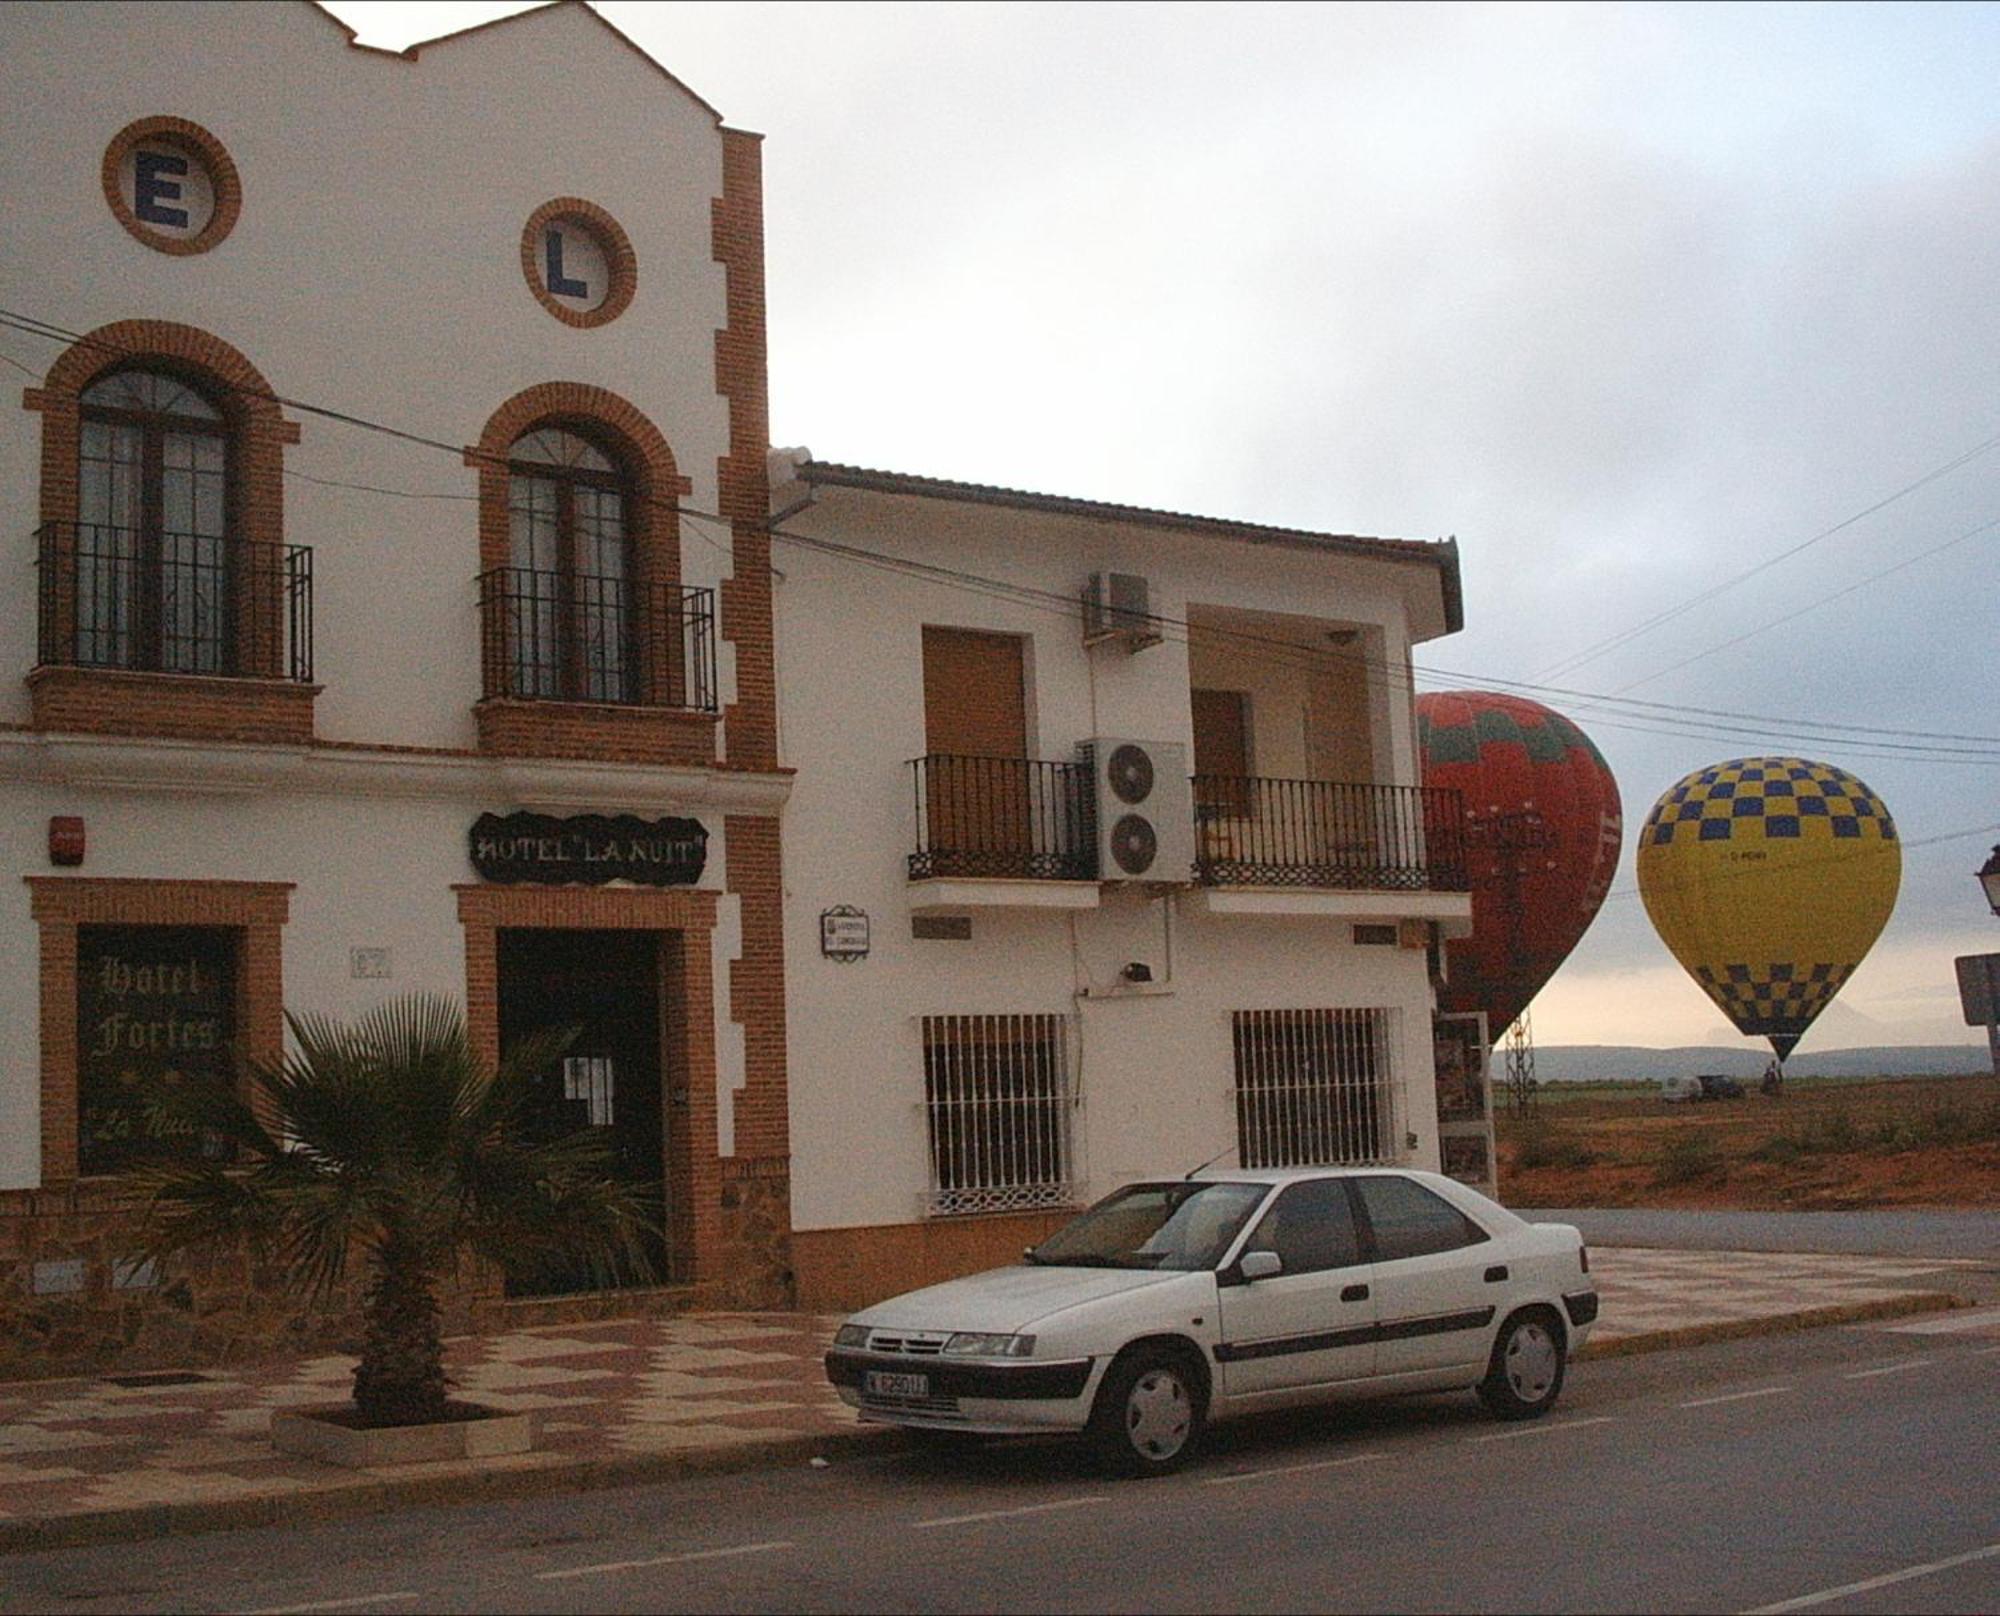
<point>1184,1225</point>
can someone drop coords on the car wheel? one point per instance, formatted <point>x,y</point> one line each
<point>1526,1373</point>
<point>1149,1412</point>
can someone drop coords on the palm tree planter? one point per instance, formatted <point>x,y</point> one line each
<point>390,1147</point>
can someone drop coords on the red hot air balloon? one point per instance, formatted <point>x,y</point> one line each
<point>1542,836</point>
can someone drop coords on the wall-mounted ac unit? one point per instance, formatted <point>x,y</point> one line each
<point>1117,609</point>
<point>1145,810</point>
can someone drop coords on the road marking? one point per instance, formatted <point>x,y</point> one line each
<point>1291,1470</point>
<point>1542,1430</point>
<point>403,1596</point>
<point>1736,1397</point>
<point>1886,1369</point>
<point>1978,1318</point>
<point>604,1568</point>
<point>1008,1514</point>
<point>1828,1595</point>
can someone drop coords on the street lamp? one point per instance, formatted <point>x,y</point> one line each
<point>1989,878</point>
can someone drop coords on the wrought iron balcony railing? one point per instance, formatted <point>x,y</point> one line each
<point>146,602</point>
<point>1324,833</point>
<point>560,636</point>
<point>1002,816</point>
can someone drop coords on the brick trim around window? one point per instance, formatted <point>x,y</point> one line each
<point>60,904</point>
<point>559,729</point>
<point>198,143</point>
<point>110,702</point>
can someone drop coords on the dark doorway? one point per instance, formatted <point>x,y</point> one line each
<point>606,985</point>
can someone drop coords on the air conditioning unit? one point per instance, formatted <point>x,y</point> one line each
<point>1145,810</point>
<point>1117,608</point>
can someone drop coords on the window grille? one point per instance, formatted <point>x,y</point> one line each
<point>997,1094</point>
<point>1313,1088</point>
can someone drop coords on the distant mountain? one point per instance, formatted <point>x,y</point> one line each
<point>1583,1063</point>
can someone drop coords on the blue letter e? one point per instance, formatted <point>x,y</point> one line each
<point>149,189</point>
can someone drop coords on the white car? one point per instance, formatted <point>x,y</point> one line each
<point>1171,1303</point>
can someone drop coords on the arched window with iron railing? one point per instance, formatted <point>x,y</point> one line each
<point>574,631</point>
<point>153,584</point>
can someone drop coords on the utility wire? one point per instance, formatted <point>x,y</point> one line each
<point>1811,606</point>
<point>1591,653</point>
<point>1839,856</point>
<point>1661,718</point>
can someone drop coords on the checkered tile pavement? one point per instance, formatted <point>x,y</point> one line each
<point>675,1386</point>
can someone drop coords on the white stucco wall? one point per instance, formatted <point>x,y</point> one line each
<point>375,269</point>
<point>1155,1071</point>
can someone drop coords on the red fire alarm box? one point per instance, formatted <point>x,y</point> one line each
<point>66,840</point>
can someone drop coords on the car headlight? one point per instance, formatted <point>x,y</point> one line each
<point>976,1344</point>
<point>851,1335</point>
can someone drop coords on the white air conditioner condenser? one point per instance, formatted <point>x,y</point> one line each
<point>1145,810</point>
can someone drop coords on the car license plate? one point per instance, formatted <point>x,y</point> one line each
<point>882,1383</point>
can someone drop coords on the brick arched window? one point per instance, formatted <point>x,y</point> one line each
<point>591,647</point>
<point>161,551</point>
<point>574,625</point>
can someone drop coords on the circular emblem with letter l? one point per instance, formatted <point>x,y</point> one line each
<point>171,184</point>
<point>1134,845</point>
<point>1130,772</point>
<point>579,262</point>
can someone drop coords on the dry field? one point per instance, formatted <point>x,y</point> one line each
<point>1824,1144</point>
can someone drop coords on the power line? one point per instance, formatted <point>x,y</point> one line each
<point>1839,856</point>
<point>1591,653</point>
<point>1812,606</point>
<point>1650,717</point>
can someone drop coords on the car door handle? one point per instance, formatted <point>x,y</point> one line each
<point>1496,1273</point>
<point>1354,1293</point>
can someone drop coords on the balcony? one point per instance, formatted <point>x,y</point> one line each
<point>1326,847</point>
<point>1014,827</point>
<point>605,668</point>
<point>180,635</point>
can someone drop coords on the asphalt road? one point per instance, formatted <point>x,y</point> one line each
<point>1970,1233</point>
<point>1740,1476</point>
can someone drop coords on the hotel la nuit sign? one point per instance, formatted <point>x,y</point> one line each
<point>588,849</point>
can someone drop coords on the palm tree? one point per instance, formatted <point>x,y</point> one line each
<point>390,1145</point>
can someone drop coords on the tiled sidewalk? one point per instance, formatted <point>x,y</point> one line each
<point>639,1397</point>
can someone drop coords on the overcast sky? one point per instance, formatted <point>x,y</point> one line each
<point>1628,298</point>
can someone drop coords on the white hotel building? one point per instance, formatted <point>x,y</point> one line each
<point>398,608</point>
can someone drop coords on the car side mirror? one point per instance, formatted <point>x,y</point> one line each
<point>1256,1265</point>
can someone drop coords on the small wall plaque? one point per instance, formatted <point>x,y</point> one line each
<point>843,933</point>
<point>369,964</point>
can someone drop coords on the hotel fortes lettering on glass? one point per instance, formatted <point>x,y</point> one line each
<point>588,849</point>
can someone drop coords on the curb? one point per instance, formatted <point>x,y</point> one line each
<point>555,1474</point>
<point>1696,1335</point>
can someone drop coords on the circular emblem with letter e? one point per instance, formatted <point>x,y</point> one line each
<point>1134,845</point>
<point>579,262</point>
<point>171,184</point>
<point>1130,773</point>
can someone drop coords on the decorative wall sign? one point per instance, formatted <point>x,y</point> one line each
<point>578,261</point>
<point>588,849</point>
<point>155,1010</point>
<point>843,933</point>
<point>172,185</point>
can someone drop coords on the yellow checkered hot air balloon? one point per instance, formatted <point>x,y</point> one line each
<point>1769,879</point>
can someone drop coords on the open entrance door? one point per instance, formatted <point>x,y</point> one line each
<point>606,985</point>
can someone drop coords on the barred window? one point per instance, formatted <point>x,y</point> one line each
<point>997,1092</point>
<point>1313,1088</point>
